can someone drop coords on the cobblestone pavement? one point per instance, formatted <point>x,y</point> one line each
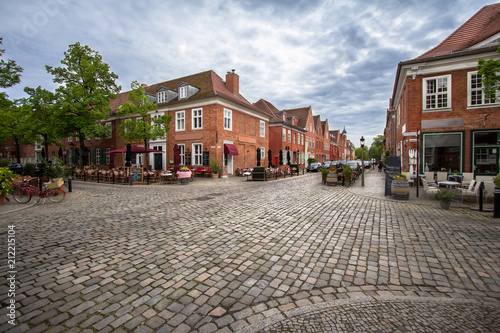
<point>229,255</point>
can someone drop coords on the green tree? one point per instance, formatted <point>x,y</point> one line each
<point>376,147</point>
<point>490,79</point>
<point>145,127</point>
<point>43,123</point>
<point>10,74</point>
<point>12,116</point>
<point>87,86</point>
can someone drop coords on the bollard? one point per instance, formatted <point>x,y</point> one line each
<point>70,188</point>
<point>496,205</point>
<point>481,189</point>
<point>113,177</point>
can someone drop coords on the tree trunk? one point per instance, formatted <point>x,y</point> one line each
<point>18,150</point>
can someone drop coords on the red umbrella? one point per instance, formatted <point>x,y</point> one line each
<point>177,155</point>
<point>135,149</point>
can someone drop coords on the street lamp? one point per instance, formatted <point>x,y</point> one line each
<point>362,142</point>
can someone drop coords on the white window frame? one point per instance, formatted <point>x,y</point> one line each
<point>228,119</point>
<point>436,94</point>
<point>110,125</point>
<point>197,157</point>
<point>289,136</point>
<point>284,135</point>
<point>262,153</point>
<point>97,156</point>
<point>183,92</point>
<point>470,90</point>
<point>108,157</point>
<point>182,153</point>
<point>262,129</point>
<point>180,121</point>
<point>197,119</point>
<point>161,97</point>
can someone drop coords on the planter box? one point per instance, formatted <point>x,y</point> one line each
<point>56,183</point>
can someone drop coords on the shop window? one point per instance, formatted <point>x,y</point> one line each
<point>443,152</point>
<point>486,153</point>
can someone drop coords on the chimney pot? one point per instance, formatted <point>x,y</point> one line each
<point>233,82</point>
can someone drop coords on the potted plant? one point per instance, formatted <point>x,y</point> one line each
<point>6,177</point>
<point>445,196</point>
<point>215,167</point>
<point>496,180</point>
<point>347,174</point>
<point>400,188</point>
<point>331,177</point>
<point>324,174</point>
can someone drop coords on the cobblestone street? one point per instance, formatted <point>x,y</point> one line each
<point>229,255</point>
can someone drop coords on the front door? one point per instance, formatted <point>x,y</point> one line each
<point>228,162</point>
<point>158,161</point>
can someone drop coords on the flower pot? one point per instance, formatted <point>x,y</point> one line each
<point>400,189</point>
<point>331,178</point>
<point>445,204</point>
<point>215,175</point>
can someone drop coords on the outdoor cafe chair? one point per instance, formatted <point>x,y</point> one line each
<point>428,189</point>
<point>441,176</point>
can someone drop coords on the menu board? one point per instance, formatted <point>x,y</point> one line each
<point>136,175</point>
<point>206,158</point>
<point>392,168</point>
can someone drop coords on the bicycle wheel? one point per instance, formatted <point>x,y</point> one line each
<point>21,195</point>
<point>56,195</point>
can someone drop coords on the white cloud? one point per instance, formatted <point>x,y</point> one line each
<point>339,57</point>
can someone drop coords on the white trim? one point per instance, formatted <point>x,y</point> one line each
<point>469,93</point>
<point>230,119</point>
<point>175,120</point>
<point>448,93</point>
<point>193,111</point>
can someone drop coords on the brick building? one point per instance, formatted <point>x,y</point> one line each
<point>440,94</point>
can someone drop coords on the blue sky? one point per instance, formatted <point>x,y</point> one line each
<point>340,57</point>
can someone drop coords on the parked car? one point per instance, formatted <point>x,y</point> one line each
<point>16,168</point>
<point>355,166</point>
<point>314,167</point>
<point>326,164</point>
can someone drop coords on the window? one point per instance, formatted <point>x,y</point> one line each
<point>442,151</point>
<point>262,153</point>
<point>476,93</point>
<point>486,152</point>
<point>97,156</point>
<point>289,136</point>
<point>294,138</point>
<point>302,139</point>
<point>180,121</point>
<point>70,139</point>
<point>183,92</point>
<point>228,119</point>
<point>162,96</point>
<point>437,92</point>
<point>182,154</point>
<point>108,124</point>
<point>197,119</point>
<point>108,157</point>
<point>284,135</point>
<point>197,154</point>
<point>262,128</point>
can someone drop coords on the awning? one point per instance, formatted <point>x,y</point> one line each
<point>230,149</point>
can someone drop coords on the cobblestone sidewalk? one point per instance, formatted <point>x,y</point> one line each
<point>227,255</point>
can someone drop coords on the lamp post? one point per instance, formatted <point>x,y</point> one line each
<point>71,153</point>
<point>362,142</point>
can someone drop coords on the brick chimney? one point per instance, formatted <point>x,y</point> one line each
<point>233,82</point>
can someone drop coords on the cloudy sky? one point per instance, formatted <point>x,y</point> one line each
<point>338,56</point>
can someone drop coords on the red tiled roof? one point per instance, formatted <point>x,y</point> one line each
<point>267,108</point>
<point>301,114</point>
<point>118,101</point>
<point>484,24</point>
<point>208,83</point>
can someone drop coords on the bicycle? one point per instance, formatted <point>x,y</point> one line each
<point>24,192</point>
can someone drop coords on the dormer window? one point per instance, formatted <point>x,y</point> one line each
<point>186,90</point>
<point>162,96</point>
<point>183,92</point>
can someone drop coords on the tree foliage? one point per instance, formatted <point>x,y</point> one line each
<point>87,86</point>
<point>43,123</point>
<point>10,72</point>
<point>489,70</point>
<point>376,147</point>
<point>145,127</point>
